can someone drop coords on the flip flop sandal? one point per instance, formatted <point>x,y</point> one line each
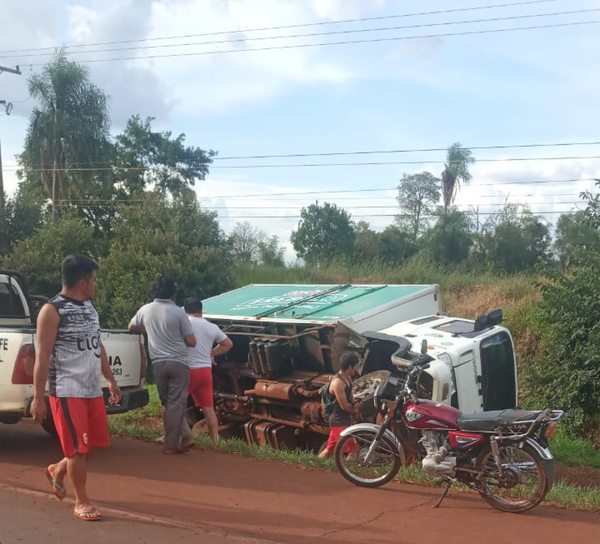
<point>87,515</point>
<point>59,490</point>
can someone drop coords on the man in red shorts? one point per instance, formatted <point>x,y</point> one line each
<point>201,358</point>
<point>70,356</point>
<point>344,405</point>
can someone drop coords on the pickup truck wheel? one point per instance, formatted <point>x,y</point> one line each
<point>48,425</point>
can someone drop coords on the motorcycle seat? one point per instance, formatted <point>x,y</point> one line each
<point>488,421</point>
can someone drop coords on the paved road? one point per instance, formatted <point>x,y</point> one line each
<point>35,517</point>
<point>225,496</point>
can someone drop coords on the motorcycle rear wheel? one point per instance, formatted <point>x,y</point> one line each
<point>380,470</point>
<point>523,484</point>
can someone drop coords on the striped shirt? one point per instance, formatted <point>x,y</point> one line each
<point>75,363</point>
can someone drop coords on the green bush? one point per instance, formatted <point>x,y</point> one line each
<point>565,370</point>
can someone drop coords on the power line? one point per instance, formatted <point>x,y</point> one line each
<point>317,34</point>
<point>82,204</point>
<point>355,153</point>
<point>286,27</point>
<point>346,42</point>
<point>378,215</point>
<point>398,151</point>
<point>102,201</point>
<point>296,165</point>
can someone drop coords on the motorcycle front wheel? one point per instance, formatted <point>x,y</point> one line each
<point>351,459</point>
<point>522,483</point>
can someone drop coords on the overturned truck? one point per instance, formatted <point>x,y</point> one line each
<point>288,340</point>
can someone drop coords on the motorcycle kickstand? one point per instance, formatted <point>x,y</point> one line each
<point>444,493</point>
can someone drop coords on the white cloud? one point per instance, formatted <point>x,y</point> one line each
<point>338,9</point>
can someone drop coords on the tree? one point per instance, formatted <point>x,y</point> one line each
<point>22,217</point>
<point>67,137</point>
<point>514,241</point>
<point>367,242</point>
<point>565,372</point>
<point>450,240</point>
<point>458,160</point>
<point>39,257</point>
<point>161,236</point>
<point>147,159</point>
<point>575,237</point>
<point>245,242</point>
<point>271,253</point>
<point>418,195</point>
<point>324,233</point>
<point>397,245</point>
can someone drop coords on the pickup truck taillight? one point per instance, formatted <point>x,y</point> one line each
<point>23,370</point>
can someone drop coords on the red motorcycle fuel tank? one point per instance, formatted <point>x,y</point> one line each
<point>430,415</point>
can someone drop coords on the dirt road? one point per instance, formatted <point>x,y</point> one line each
<point>221,494</point>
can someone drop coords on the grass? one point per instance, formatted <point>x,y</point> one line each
<point>575,451</point>
<point>145,424</point>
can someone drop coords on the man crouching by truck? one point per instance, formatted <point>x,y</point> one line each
<point>70,355</point>
<point>344,405</point>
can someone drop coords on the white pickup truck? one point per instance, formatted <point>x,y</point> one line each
<point>125,351</point>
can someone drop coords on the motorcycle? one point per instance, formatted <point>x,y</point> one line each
<point>501,454</point>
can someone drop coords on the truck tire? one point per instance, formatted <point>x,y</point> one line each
<point>48,425</point>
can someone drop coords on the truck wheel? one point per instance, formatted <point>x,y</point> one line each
<point>48,425</point>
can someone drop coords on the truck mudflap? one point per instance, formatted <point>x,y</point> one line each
<point>130,400</point>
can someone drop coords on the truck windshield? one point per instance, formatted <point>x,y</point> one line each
<point>498,373</point>
<point>10,302</point>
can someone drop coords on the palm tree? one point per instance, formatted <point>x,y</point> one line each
<point>457,165</point>
<point>69,128</point>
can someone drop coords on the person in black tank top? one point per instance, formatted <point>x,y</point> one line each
<point>344,406</point>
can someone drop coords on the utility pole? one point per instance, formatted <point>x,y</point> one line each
<point>1,189</point>
<point>8,107</point>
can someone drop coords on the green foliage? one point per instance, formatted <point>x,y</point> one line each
<point>40,256</point>
<point>397,245</point>
<point>513,241</point>
<point>566,371</point>
<point>271,253</point>
<point>244,240</point>
<point>575,237</point>
<point>450,240</point>
<point>23,216</point>
<point>161,237</point>
<point>67,137</point>
<point>324,233</point>
<point>458,162</point>
<point>367,242</point>
<point>418,196</point>
<point>148,159</point>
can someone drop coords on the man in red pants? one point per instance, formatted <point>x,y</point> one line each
<point>70,356</point>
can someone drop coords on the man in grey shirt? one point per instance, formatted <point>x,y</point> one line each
<point>169,335</point>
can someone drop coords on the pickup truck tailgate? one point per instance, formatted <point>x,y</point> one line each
<point>126,356</point>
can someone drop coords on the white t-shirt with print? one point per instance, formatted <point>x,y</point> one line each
<point>207,334</point>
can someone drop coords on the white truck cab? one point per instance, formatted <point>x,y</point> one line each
<point>473,366</point>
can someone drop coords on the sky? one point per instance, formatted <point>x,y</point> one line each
<point>246,92</point>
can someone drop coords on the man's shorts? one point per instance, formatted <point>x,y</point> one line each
<point>81,424</point>
<point>334,438</point>
<point>201,387</point>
